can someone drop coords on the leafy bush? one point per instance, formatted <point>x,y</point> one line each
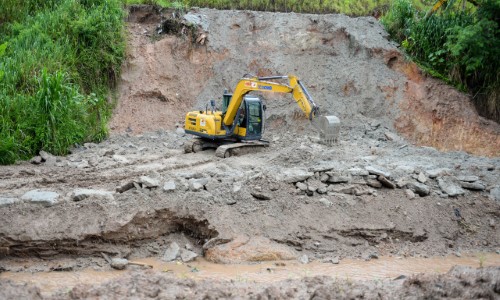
<point>57,65</point>
<point>460,45</point>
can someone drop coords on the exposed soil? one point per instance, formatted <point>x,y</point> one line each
<point>374,193</point>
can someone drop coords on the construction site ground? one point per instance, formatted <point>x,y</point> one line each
<point>411,187</point>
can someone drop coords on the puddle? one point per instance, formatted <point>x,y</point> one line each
<point>382,268</point>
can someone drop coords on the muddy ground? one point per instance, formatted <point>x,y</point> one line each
<point>377,192</point>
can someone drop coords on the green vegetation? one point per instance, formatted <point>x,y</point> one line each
<point>58,60</point>
<point>460,44</point>
<point>349,7</point>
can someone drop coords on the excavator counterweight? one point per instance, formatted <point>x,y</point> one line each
<point>240,123</point>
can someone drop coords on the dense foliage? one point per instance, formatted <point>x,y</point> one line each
<point>460,44</point>
<point>58,59</point>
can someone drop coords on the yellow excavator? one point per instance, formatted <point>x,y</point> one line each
<point>238,127</point>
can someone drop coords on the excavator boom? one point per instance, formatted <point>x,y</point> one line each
<point>261,84</point>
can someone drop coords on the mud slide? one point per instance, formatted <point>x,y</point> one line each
<point>376,194</point>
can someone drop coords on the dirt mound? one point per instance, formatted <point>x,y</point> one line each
<point>348,64</point>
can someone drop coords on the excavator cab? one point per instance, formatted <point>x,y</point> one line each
<point>251,118</point>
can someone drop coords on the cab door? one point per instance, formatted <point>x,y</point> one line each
<point>254,118</point>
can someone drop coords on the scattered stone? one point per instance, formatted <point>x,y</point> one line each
<point>369,255</point>
<point>301,186</point>
<point>149,182</point>
<point>421,177</point>
<point>260,195</point>
<point>468,178</point>
<point>325,202</point>
<point>458,254</point>
<point>36,160</point>
<point>81,194</point>
<point>120,159</point>
<point>127,186</point>
<point>333,260</point>
<point>187,255</point>
<point>358,172</point>
<point>119,263</point>
<point>391,136</point>
<point>495,193</point>
<point>377,171</point>
<point>386,182</point>
<point>449,187</point>
<point>197,184</point>
<point>322,190</point>
<point>180,131</point>
<point>304,259</point>
<point>338,179</point>
<point>236,187</point>
<point>419,188</point>
<point>6,201</point>
<point>492,223</point>
<point>374,183</point>
<point>169,186</point>
<point>171,253</point>
<point>294,175</point>
<point>48,158</point>
<point>230,201</point>
<point>324,177</point>
<point>409,193</point>
<point>477,185</point>
<point>438,172</point>
<point>45,198</point>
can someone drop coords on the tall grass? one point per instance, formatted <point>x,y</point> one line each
<point>349,7</point>
<point>58,60</point>
<point>461,46</point>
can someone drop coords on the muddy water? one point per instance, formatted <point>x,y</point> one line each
<point>383,268</point>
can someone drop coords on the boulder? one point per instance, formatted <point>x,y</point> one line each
<point>188,255</point>
<point>149,182</point>
<point>6,201</point>
<point>171,252</point>
<point>447,185</point>
<point>45,198</point>
<point>81,194</point>
<point>248,249</point>
<point>419,188</point>
<point>294,175</point>
<point>169,186</point>
<point>197,184</point>
<point>476,185</point>
<point>378,171</point>
<point>119,263</point>
<point>433,173</point>
<point>468,178</point>
<point>301,186</point>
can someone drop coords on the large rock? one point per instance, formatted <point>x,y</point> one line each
<point>119,263</point>
<point>476,185</point>
<point>169,186</point>
<point>249,249</point>
<point>294,175</point>
<point>495,193</point>
<point>45,198</point>
<point>149,182</point>
<point>197,184</point>
<point>468,178</point>
<point>187,255</point>
<point>447,185</point>
<point>419,188</point>
<point>433,173</point>
<point>6,201</point>
<point>197,19</point>
<point>171,252</point>
<point>81,194</point>
<point>378,171</point>
<point>48,158</point>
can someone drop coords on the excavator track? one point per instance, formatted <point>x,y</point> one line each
<point>236,149</point>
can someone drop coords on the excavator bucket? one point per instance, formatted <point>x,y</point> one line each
<point>329,129</point>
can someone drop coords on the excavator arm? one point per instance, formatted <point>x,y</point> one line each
<point>261,84</point>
